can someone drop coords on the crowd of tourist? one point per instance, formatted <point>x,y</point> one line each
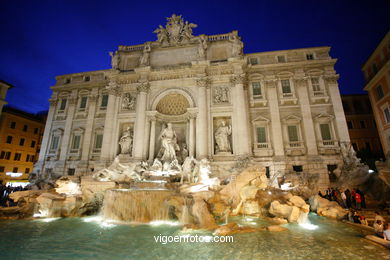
<point>354,199</point>
<point>5,191</point>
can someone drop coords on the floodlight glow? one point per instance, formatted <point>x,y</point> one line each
<point>164,222</point>
<point>371,171</point>
<point>309,226</point>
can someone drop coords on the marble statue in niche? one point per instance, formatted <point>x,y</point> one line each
<point>169,144</point>
<point>221,95</point>
<point>126,141</point>
<point>128,102</point>
<point>222,140</point>
<point>114,60</point>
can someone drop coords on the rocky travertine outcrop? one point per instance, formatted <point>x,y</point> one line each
<point>327,208</point>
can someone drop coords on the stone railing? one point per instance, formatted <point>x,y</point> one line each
<point>297,144</point>
<point>138,47</point>
<point>261,145</point>
<point>328,143</point>
<point>218,37</point>
<point>318,93</point>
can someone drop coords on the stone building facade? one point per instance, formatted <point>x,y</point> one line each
<point>377,75</point>
<point>361,124</point>
<point>280,109</point>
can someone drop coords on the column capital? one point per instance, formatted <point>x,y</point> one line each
<point>113,88</point>
<point>93,97</point>
<point>332,79</point>
<point>151,115</point>
<point>53,101</point>
<point>203,82</point>
<point>72,100</point>
<point>143,87</point>
<point>238,79</point>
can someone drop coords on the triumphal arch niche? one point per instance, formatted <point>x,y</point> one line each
<point>199,95</point>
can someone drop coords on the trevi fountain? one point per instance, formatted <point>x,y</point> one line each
<point>187,187</point>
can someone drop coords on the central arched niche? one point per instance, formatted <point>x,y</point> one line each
<point>173,104</point>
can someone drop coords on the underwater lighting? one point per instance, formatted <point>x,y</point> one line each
<point>47,220</point>
<point>309,226</point>
<point>164,222</point>
<point>371,171</point>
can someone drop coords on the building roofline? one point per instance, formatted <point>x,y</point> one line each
<point>2,82</point>
<point>81,73</point>
<point>24,114</point>
<point>287,50</point>
<point>377,47</point>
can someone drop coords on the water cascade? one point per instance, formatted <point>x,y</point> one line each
<point>131,205</point>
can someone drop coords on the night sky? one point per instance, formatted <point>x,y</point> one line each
<point>42,39</point>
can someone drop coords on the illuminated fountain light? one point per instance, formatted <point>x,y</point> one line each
<point>308,226</point>
<point>164,222</point>
<point>286,186</point>
<point>99,221</point>
<point>47,220</point>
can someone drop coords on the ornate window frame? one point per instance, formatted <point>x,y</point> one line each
<point>287,98</point>
<point>321,95</point>
<point>326,146</point>
<point>58,132</point>
<point>76,132</point>
<point>261,100</point>
<point>262,149</point>
<point>293,148</point>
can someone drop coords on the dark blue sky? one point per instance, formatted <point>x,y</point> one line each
<point>42,39</point>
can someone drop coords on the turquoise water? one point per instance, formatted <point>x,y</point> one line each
<point>74,238</point>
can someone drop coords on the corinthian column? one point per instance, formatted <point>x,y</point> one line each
<point>201,124</point>
<point>89,125</point>
<point>152,139</point>
<point>68,126</point>
<point>240,117</point>
<point>140,120</point>
<point>111,112</point>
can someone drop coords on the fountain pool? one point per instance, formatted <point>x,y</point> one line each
<point>83,238</point>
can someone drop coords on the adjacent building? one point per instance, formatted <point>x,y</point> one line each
<point>361,124</point>
<point>280,109</point>
<point>20,139</point>
<point>377,75</point>
<point>4,87</point>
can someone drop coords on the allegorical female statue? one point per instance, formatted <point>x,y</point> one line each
<point>144,60</point>
<point>222,137</point>
<point>126,142</point>
<point>168,143</point>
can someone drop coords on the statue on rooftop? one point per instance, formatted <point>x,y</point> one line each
<point>114,60</point>
<point>237,45</point>
<point>145,58</point>
<point>176,31</point>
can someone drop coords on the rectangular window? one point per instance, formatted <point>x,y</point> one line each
<point>350,125</point>
<point>54,142</point>
<point>2,168</point>
<point>27,158</point>
<point>17,156</point>
<point>25,128</point>
<point>363,124</point>
<point>9,140</point>
<point>281,59</point>
<point>368,146</point>
<point>292,133</point>
<point>7,155</point>
<point>21,142</point>
<point>104,101</point>
<point>71,171</point>
<point>297,168</point>
<point>15,169</point>
<point>315,83</point>
<point>67,81</point>
<point>261,137</point>
<point>286,86</point>
<point>2,155</point>
<point>87,78</point>
<point>63,104</point>
<point>253,61</point>
<point>35,130</point>
<point>27,170</point>
<point>325,132</point>
<point>83,102</point>
<point>256,87</point>
<point>387,114</point>
<point>32,158</point>
<point>76,142</point>
<point>33,144</point>
<point>98,141</point>
<point>309,56</point>
<point>379,92</point>
<point>13,125</point>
